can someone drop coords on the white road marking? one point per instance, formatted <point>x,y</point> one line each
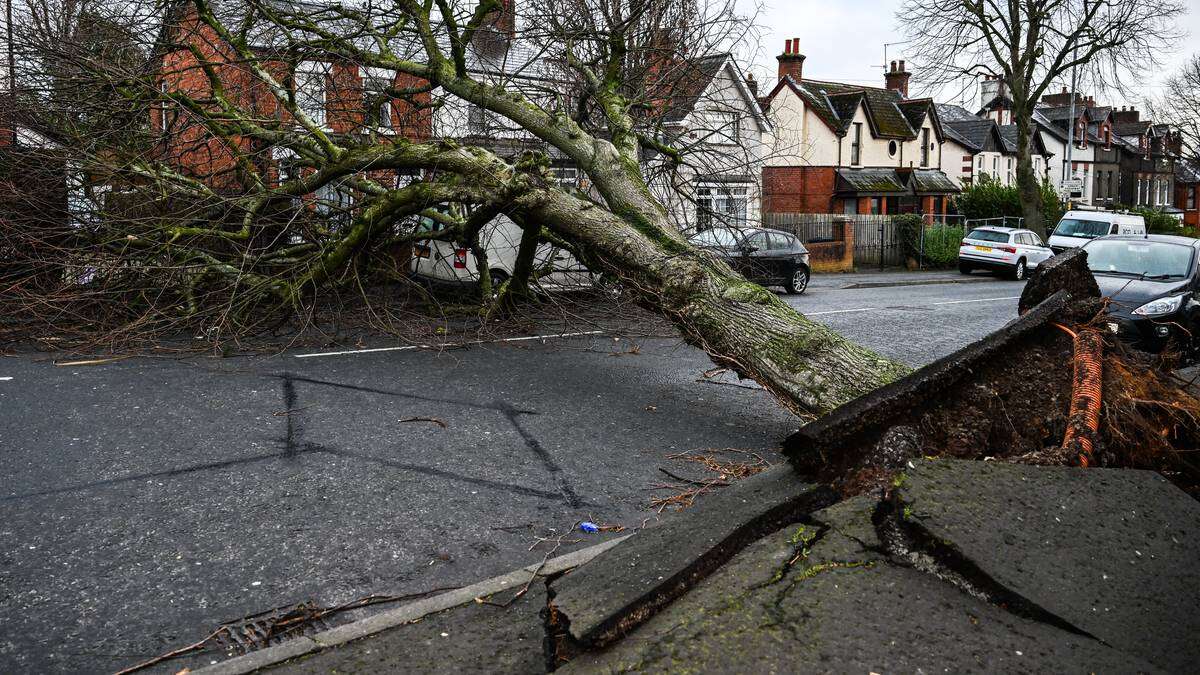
<point>874,309</point>
<point>840,311</point>
<point>5,379</point>
<point>963,302</point>
<point>448,344</point>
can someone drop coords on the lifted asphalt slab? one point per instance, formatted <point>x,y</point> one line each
<point>1111,552</point>
<point>609,595</point>
<point>824,598</point>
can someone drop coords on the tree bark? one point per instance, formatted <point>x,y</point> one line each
<point>1028,184</point>
<point>809,368</point>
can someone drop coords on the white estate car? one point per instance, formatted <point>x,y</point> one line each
<point>1003,249</point>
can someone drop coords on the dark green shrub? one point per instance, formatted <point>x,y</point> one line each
<point>987,198</point>
<point>935,246</point>
<point>1158,222</point>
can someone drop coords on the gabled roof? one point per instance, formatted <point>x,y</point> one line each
<point>949,112</point>
<point>1131,128</point>
<point>692,81</point>
<point>836,103</point>
<point>1000,102</point>
<point>975,134</point>
<point>1009,133</point>
<point>1187,172</point>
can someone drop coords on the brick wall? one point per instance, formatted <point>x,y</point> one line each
<point>798,189</point>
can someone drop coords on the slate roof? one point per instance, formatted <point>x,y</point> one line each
<point>1131,128</point>
<point>689,83</point>
<point>926,181</point>
<point>949,112</point>
<point>870,181</point>
<point>888,112</point>
<point>972,134</point>
<point>1187,172</point>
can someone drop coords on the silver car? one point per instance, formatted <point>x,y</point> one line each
<point>1007,250</point>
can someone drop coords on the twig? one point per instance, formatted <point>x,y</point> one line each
<point>729,384</point>
<point>433,420</point>
<point>91,362</point>
<point>692,482</point>
<point>173,654</point>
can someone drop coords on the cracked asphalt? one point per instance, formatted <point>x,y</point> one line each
<point>145,501</point>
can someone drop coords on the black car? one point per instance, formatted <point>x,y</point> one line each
<point>1152,282</point>
<point>764,256</point>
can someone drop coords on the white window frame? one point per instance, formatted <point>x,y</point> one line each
<point>376,81</point>
<point>308,72</point>
<point>722,204</point>
<point>856,145</point>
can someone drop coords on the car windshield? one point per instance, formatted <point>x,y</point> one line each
<point>988,235</point>
<point>1086,229</point>
<point>1139,258</point>
<point>716,237</point>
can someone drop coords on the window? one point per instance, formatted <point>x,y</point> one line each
<point>996,166</point>
<point>856,145</point>
<point>1107,138</point>
<point>876,205</point>
<point>312,90</point>
<point>477,119</point>
<point>757,240</point>
<point>1190,201</point>
<point>723,204</point>
<point>892,148</point>
<point>780,242</point>
<point>723,128</point>
<point>566,176</point>
<point>1010,170</point>
<point>166,116</point>
<point>924,147</point>
<point>377,103</point>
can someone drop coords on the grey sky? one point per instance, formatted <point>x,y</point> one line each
<point>843,40</point>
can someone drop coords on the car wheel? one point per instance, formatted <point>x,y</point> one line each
<point>965,269</point>
<point>798,282</point>
<point>498,279</point>
<point>1018,274</point>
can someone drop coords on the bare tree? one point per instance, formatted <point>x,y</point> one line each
<point>1032,44</point>
<point>1179,106</point>
<point>292,195</point>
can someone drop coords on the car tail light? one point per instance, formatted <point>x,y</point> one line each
<point>460,258</point>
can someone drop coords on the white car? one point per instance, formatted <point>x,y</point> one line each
<point>1002,249</point>
<point>443,263</point>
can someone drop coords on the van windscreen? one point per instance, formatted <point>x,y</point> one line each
<point>1086,229</point>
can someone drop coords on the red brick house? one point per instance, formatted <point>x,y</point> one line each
<point>340,96</point>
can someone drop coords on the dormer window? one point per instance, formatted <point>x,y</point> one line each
<point>1107,137</point>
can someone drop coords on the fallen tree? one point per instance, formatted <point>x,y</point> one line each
<point>222,81</point>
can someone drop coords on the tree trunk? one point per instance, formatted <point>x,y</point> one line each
<point>1028,184</point>
<point>809,368</point>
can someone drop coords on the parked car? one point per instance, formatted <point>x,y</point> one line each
<point>1152,283</point>
<point>1077,228</point>
<point>1006,250</point>
<point>764,256</point>
<point>445,263</point>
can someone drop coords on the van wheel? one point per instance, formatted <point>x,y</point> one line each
<point>1019,273</point>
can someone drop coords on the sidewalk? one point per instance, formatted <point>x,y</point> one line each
<point>894,277</point>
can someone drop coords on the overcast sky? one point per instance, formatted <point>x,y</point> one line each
<point>844,42</point>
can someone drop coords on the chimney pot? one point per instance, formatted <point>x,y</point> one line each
<point>902,66</point>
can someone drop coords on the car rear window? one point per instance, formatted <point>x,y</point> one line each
<point>988,235</point>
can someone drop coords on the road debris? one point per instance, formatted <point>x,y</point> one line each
<point>431,420</point>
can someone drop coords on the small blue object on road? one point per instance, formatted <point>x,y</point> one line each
<point>588,526</point>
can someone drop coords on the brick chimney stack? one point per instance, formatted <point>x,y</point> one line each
<point>897,78</point>
<point>791,61</point>
<point>1124,116</point>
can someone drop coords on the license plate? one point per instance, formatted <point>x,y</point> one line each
<point>421,251</point>
<point>1113,328</point>
<point>984,248</point>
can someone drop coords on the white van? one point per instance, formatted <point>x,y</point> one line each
<point>444,262</point>
<point>1077,228</point>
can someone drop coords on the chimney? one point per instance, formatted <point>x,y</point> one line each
<point>1124,116</point>
<point>791,61</point>
<point>896,78</point>
<point>752,84</point>
<point>991,87</point>
<point>1064,98</point>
